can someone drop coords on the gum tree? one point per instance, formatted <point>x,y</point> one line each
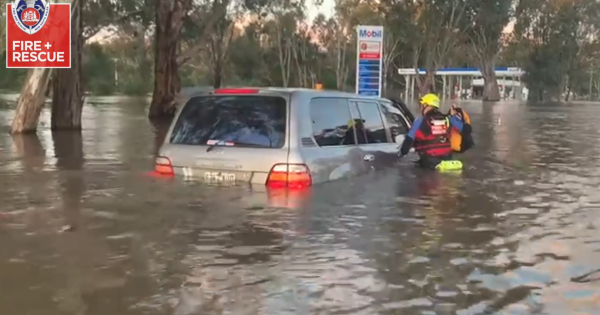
<point>67,89</point>
<point>433,30</point>
<point>484,25</point>
<point>556,39</point>
<point>173,19</point>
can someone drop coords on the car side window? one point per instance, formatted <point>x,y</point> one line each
<point>330,121</point>
<point>370,128</point>
<point>396,123</point>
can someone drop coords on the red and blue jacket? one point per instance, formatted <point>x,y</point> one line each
<point>430,134</point>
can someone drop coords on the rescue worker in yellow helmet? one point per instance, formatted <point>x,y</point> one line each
<point>430,134</point>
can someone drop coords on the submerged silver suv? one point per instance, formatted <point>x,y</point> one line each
<point>282,137</point>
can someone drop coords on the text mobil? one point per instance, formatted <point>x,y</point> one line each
<point>38,34</point>
<point>376,33</point>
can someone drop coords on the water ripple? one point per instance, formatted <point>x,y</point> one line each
<point>516,233</point>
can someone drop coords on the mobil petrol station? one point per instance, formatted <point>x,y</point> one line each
<point>464,83</point>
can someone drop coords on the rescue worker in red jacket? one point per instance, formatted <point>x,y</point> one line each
<point>430,133</point>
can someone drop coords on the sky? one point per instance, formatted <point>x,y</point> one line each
<point>328,5</point>
<point>326,8</point>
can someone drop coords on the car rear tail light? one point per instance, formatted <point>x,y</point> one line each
<point>236,91</point>
<point>289,175</point>
<point>163,166</point>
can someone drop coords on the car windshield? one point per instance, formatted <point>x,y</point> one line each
<point>232,120</point>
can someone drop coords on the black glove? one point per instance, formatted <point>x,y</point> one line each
<point>406,145</point>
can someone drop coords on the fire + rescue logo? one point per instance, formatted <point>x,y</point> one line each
<point>30,15</point>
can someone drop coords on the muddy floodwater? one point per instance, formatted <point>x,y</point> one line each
<point>84,231</point>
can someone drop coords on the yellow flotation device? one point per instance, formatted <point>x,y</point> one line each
<point>456,137</point>
<point>452,165</point>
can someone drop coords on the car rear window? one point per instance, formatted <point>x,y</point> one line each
<point>232,120</point>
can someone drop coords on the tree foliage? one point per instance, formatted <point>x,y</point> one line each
<point>557,41</point>
<point>274,43</point>
<point>485,22</point>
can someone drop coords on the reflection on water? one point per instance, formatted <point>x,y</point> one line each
<point>82,231</point>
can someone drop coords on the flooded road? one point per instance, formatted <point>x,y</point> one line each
<point>83,231</point>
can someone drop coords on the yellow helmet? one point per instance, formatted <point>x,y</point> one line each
<point>352,122</point>
<point>430,99</point>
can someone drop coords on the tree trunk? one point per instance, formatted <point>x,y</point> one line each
<point>31,101</point>
<point>569,89</point>
<point>426,84</point>
<point>67,93</point>
<point>161,128</point>
<point>218,75</point>
<point>167,83</point>
<point>341,71</point>
<point>491,92</point>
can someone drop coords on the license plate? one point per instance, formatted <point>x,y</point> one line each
<point>219,177</point>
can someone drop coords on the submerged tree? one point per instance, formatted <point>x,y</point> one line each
<point>167,83</point>
<point>170,18</point>
<point>170,54</point>
<point>31,101</point>
<point>67,88</point>
<point>67,96</point>
<point>485,22</point>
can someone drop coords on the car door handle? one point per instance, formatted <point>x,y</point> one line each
<point>369,157</point>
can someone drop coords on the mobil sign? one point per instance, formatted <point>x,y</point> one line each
<point>369,48</point>
<point>369,41</point>
<point>370,32</point>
